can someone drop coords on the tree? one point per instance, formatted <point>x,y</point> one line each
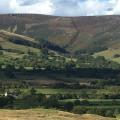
<point>32,91</point>
<point>51,102</point>
<point>77,102</point>
<point>68,106</point>
<point>10,71</point>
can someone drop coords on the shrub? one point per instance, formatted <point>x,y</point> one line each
<point>77,102</point>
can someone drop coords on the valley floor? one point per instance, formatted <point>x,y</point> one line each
<point>45,114</point>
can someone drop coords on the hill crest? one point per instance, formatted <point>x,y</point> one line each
<point>77,35</point>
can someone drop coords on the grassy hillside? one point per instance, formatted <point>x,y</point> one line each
<point>45,114</point>
<point>111,54</point>
<point>75,34</point>
<point>15,45</point>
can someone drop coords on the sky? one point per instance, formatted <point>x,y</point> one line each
<point>62,7</point>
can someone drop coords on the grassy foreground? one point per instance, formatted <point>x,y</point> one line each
<point>45,114</point>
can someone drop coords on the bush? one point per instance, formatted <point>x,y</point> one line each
<point>79,110</point>
<point>77,102</point>
<point>68,106</point>
<point>6,101</point>
<point>109,113</point>
<point>51,102</point>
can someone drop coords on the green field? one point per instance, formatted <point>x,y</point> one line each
<point>109,54</point>
<point>75,91</point>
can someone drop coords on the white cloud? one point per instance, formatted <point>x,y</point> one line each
<point>44,7</point>
<point>61,7</point>
<point>116,9</point>
<point>4,6</point>
<point>86,7</point>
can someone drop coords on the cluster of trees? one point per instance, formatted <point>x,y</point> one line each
<point>50,60</point>
<point>6,102</point>
<point>33,100</point>
<point>107,112</point>
<point>41,43</point>
<point>45,43</point>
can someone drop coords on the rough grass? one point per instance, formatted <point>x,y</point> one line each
<point>9,34</point>
<point>6,44</point>
<point>109,54</point>
<point>45,114</point>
